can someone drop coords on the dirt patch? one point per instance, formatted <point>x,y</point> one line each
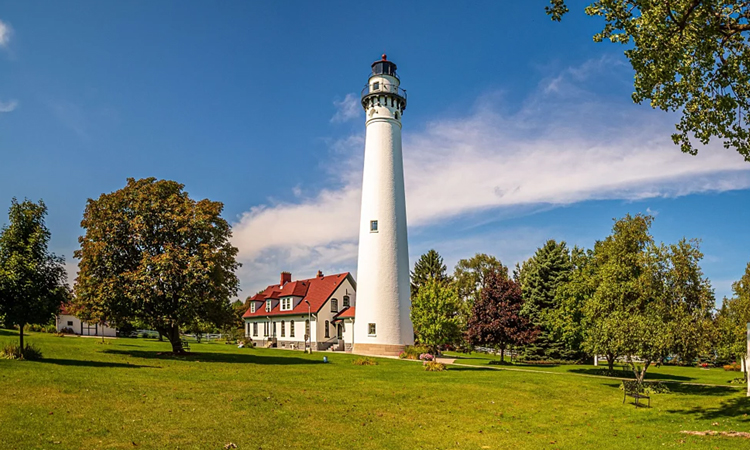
<point>740,434</point>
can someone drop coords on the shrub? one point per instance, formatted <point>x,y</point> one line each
<point>733,367</point>
<point>434,366</point>
<point>738,380</point>
<point>365,361</point>
<point>426,357</point>
<point>13,351</point>
<point>413,351</point>
<point>67,330</point>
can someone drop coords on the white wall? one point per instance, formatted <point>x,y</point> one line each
<point>76,324</point>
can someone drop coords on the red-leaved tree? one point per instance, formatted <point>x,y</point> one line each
<point>495,319</point>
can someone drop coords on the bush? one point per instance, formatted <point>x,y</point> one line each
<point>733,367</point>
<point>413,351</point>
<point>426,357</point>
<point>67,330</point>
<point>738,380</point>
<point>433,366</point>
<point>648,388</point>
<point>13,351</point>
<point>365,361</point>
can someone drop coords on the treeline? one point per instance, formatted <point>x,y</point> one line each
<point>629,296</point>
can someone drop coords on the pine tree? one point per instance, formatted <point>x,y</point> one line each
<point>542,275</point>
<point>429,267</point>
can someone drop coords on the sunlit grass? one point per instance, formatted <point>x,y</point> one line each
<point>124,395</point>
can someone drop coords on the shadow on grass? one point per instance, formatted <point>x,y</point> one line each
<point>737,408</point>
<point>85,363</point>
<point>629,374</point>
<point>244,358</point>
<point>692,389</point>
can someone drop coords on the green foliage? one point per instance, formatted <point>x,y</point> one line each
<point>428,267</point>
<point>435,315</point>
<point>32,280</point>
<point>413,351</point>
<point>643,299</point>
<point>689,56</point>
<point>14,351</point>
<point>365,361</point>
<point>732,320</point>
<point>152,254</point>
<point>471,274</point>
<point>434,366</point>
<point>543,275</point>
<point>650,388</point>
<point>738,380</point>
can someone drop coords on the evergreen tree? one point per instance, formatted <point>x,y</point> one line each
<point>542,275</point>
<point>32,280</point>
<point>429,267</point>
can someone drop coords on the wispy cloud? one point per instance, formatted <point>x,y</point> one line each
<point>556,150</point>
<point>347,109</point>
<point>5,33</point>
<point>8,106</point>
<point>72,117</point>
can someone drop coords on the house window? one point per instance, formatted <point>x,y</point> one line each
<point>373,226</point>
<point>283,334</point>
<point>371,329</point>
<point>268,305</point>
<point>307,330</point>
<point>274,330</point>
<point>255,329</point>
<point>286,304</point>
<point>247,329</point>
<point>328,333</point>
<point>70,323</point>
<point>265,328</point>
<point>252,307</point>
<point>291,328</point>
<point>334,305</point>
<point>346,301</point>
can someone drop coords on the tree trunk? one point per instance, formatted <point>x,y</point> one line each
<point>502,354</point>
<point>161,336</point>
<point>20,329</point>
<point>611,361</point>
<point>173,335</point>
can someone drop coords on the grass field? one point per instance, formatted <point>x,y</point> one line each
<point>124,395</point>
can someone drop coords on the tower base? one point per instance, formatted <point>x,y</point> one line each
<point>378,349</point>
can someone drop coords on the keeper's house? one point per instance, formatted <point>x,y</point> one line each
<point>318,312</point>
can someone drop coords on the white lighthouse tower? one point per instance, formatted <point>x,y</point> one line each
<point>382,325</point>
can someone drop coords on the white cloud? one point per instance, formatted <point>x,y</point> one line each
<point>5,33</point>
<point>8,106</point>
<point>347,109</point>
<point>557,150</point>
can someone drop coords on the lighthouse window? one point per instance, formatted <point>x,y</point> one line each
<point>376,86</point>
<point>373,226</point>
<point>371,329</point>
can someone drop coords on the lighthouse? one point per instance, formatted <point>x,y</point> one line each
<point>382,325</point>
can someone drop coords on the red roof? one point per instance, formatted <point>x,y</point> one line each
<point>348,313</point>
<point>316,290</point>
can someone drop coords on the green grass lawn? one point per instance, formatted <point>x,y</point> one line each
<point>124,395</point>
<point>664,373</point>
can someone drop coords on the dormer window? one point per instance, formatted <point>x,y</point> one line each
<point>286,304</point>
<point>268,305</point>
<point>334,305</point>
<point>252,307</point>
<point>346,301</point>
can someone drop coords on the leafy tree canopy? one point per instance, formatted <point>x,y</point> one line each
<point>151,253</point>
<point>471,275</point>
<point>32,280</point>
<point>732,320</point>
<point>691,56</point>
<point>496,319</point>
<point>435,315</point>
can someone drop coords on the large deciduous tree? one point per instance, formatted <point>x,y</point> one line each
<point>32,280</point>
<point>435,315</point>
<point>690,56</point>
<point>471,276</point>
<point>543,274</point>
<point>429,266</point>
<point>496,319</point>
<point>153,254</point>
<point>732,320</point>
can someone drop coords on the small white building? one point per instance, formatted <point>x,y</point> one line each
<point>284,315</point>
<point>66,322</point>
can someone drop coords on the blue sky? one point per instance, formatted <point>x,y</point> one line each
<point>518,129</point>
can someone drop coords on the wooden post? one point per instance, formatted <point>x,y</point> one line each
<point>596,360</point>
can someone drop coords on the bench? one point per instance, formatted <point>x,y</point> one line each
<point>185,345</point>
<point>634,389</point>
